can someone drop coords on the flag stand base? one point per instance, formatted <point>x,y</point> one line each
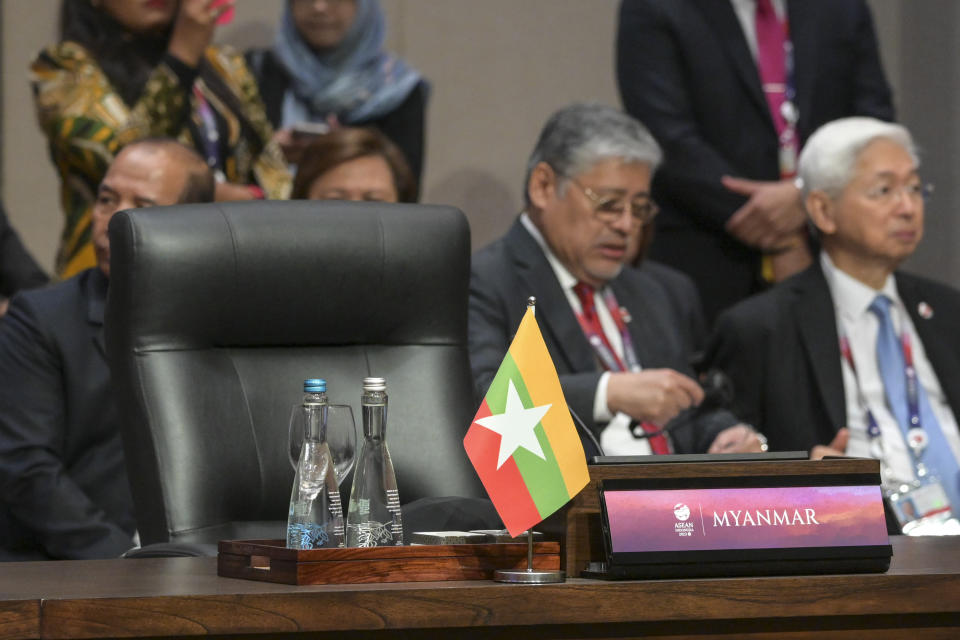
<point>529,576</point>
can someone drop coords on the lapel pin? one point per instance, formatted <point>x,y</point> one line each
<point>925,310</point>
<point>625,315</point>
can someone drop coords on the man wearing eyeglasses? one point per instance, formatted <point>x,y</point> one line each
<point>621,338</point>
<point>852,356</point>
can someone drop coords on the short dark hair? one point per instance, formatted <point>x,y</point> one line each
<point>349,143</point>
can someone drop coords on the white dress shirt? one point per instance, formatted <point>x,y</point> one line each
<point>615,438</point>
<point>746,11</point>
<point>851,301</point>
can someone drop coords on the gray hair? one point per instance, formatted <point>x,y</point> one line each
<point>578,136</point>
<point>830,154</point>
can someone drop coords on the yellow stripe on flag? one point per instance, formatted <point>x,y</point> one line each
<point>533,360</point>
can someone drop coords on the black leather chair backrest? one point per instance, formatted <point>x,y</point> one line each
<point>218,312</point>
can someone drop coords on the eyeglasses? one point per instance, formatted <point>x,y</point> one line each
<point>888,193</point>
<point>610,208</point>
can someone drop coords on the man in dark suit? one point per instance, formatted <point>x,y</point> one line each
<point>63,483</point>
<point>18,269</point>
<point>621,338</point>
<point>816,362</point>
<point>691,71</point>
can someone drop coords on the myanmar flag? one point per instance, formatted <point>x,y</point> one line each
<point>522,441</point>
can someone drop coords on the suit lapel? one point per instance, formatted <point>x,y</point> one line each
<point>816,319</point>
<point>803,35</point>
<point>641,326</point>
<point>95,292</point>
<point>935,331</point>
<point>723,22</point>
<point>554,315</point>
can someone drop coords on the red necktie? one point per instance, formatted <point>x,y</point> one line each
<point>771,60</point>
<point>658,443</point>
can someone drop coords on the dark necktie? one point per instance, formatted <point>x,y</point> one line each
<point>658,443</point>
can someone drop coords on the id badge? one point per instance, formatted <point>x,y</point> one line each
<point>788,157</point>
<point>924,510</point>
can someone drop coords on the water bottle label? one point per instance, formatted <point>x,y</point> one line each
<point>372,534</point>
<point>307,536</point>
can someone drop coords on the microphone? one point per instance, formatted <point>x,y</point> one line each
<point>717,394</point>
<point>584,430</point>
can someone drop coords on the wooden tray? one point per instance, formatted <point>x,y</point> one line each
<point>271,561</point>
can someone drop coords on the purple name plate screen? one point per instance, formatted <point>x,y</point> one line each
<point>767,518</point>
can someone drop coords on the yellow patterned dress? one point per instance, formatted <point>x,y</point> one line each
<point>87,123</point>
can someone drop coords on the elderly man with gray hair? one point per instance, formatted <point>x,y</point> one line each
<point>621,338</point>
<point>852,356</point>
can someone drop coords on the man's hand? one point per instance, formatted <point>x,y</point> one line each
<point>771,214</point>
<point>739,438</point>
<point>836,448</point>
<point>653,395</point>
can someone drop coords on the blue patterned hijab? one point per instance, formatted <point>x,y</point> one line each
<point>357,80</point>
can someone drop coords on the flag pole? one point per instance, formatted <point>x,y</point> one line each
<point>529,576</point>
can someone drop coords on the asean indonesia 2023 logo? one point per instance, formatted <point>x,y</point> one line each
<point>683,528</point>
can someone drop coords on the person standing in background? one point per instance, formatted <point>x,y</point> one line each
<point>731,89</point>
<point>125,70</point>
<point>328,67</point>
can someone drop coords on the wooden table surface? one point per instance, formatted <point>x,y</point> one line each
<point>183,597</point>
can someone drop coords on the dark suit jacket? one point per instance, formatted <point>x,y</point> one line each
<point>18,270</point>
<point>665,326</point>
<point>685,70</point>
<point>782,353</point>
<point>63,484</point>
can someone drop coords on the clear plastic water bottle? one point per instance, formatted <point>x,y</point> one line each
<point>373,517</point>
<point>315,518</point>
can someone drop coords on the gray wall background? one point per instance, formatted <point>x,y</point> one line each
<point>498,68</point>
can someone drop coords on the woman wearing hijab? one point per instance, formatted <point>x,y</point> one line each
<point>328,67</point>
<point>129,69</point>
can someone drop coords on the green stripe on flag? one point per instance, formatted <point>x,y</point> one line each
<point>543,478</point>
<point>497,393</point>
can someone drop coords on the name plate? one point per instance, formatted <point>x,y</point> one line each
<point>715,526</point>
<point>763,518</point>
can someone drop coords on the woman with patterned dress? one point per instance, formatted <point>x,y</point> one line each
<point>131,69</point>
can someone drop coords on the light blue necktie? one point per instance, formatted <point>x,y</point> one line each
<point>938,457</point>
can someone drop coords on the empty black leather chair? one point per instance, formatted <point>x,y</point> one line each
<point>218,312</point>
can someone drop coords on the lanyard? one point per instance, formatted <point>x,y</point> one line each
<point>789,147</point>
<point>601,346</point>
<point>916,437</point>
<point>209,135</point>
<point>873,429</point>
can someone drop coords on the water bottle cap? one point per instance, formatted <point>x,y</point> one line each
<point>374,384</point>
<point>315,385</point>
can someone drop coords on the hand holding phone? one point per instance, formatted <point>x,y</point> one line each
<point>228,12</point>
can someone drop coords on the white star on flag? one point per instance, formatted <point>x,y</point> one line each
<point>515,426</point>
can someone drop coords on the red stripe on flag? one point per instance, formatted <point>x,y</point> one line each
<point>505,486</point>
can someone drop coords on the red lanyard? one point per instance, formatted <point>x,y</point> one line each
<point>910,375</point>
<point>601,346</point>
